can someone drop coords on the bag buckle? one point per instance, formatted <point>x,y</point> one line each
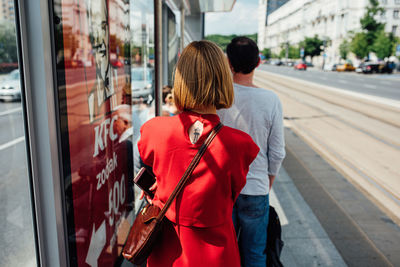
<point>144,210</point>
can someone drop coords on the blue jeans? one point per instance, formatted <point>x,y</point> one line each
<point>250,218</point>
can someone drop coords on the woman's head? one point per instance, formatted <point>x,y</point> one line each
<point>166,92</point>
<point>202,78</point>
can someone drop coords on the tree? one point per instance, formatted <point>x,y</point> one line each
<point>370,25</point>
<point>344,49</point>
<point>282,52</point>
<point>274,55</point>
<point>8,43</point>
<point>267,53</point>
<point>395,41</point>
<point>383,45</point>
<point>359,45</point>
<point>363,42</point>
<point>223,40</point>
<point>312,46</point>
<point>294,52</point>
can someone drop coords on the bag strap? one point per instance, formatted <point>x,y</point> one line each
<point>189,170</point>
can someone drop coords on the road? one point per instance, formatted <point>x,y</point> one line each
<point>357,135</point>
<point>385,85</point>
<point>16,233</point>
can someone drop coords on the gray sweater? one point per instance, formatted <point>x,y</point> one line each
<point>258,112</point>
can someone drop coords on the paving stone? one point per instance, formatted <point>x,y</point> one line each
<point>362,234</point>
<point>306,242</point>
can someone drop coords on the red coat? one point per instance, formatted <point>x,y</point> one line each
<point>201,233</point>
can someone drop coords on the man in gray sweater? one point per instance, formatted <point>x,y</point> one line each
<point>258,112</point>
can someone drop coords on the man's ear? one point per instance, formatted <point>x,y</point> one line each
<point>230,66</point>
<point>259,62</point>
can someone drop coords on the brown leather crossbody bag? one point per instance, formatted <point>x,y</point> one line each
<point>149,222</point>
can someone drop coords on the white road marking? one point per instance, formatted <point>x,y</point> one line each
<point>342,81</point>
<point>10,111</point>
<point>385,82</point>
<point>11,143</point>
<point>278,207</point>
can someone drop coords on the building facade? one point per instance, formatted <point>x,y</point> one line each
<point>7,10</point>
<point>273,5</point>
<point>330,20</point>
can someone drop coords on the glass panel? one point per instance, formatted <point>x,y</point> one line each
<point>143,78</point>
<point>17,245</point>
<point>173,45</point>
<point>92,39</point>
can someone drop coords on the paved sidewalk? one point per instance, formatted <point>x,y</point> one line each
<point>306,242</point>
<point>362,233</point>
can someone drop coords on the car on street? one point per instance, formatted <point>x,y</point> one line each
<point>368,67</point>
<point>309,64</point>
<point>330,67</point>
<point>345,67</point>
<point>290,63</point>
<point>10,87</point>
<point>300,66</point>
<point>375,67</point>
<point>142,82</point>
<point>276,62</point>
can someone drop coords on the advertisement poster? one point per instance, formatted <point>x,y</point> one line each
<point>93,76</point>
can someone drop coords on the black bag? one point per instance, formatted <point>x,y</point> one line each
<point>274,241</point>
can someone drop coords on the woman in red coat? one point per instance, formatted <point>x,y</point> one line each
<point>201,231</point>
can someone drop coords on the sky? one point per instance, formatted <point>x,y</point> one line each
<point>243,19</point>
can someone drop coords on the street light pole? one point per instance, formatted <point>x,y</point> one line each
<point>182,27</point>
<point>287,52</point>
<point>158,55</point>
<point>323,54</point>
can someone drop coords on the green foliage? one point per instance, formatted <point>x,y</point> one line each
<point>344,49</point>
<point>312,46</point>
<point>368,22</point>
<point>369,25</point>
<point>366,41</point>
<point>395,41</point>
<point>359,45</point>
<point>274,55</point>
<point>294,52</point>
<point>8,43</point>
<point>267,53</point>
<point>223,40</point>
<point>282,53</point>
<point>383,45</point>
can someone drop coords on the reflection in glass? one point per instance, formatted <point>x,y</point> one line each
<point>173,44</point>
<point>10,87</point>
<point>142,72</point>
<point>17,245</point>
<point>94,86</point>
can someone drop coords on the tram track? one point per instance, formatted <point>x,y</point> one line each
<point>360,138</point>
<point>395,143</point>
<point>375,110</point>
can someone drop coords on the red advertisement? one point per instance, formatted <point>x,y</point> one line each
<point>93,75</point>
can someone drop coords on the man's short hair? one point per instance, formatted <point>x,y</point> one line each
<point>243,54</point>
<point>202,78</point>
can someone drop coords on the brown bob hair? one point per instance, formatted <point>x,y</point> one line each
<point>202,78</point>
